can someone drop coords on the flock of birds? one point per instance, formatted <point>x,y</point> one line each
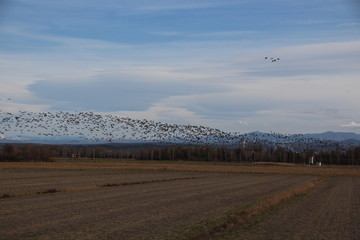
<point>100,128</point>
<point>272,59</point>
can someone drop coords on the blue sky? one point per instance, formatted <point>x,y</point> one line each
<point>196,62</point>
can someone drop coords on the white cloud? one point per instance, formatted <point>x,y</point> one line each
<point>162,113</point>
<point>312,21</point>
<point>350,24</point>
<point>16,107</point>
<point>351,125</point>
<point>71,42</point>
<point>127,7</point>
<point>243,122</point>
<point>212,34</point>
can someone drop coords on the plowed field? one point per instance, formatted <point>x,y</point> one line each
<point>119,204</point>
<point>118,201</point>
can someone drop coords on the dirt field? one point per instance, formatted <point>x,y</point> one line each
<point>330,211</point>
<point>114,201</point>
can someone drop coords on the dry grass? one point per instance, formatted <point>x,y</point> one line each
<point>189,166</point>
<point>237,220</point>
<point>275,164</point>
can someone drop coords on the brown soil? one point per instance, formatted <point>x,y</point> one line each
<point>161,205</point>
<point>330,211</point>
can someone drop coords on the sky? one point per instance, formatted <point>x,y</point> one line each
<point>199,62</point>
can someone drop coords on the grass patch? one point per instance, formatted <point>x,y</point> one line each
<point>110,185</point>
<point>145,182</point>
<point>5,195</point>
<point>52,190</point>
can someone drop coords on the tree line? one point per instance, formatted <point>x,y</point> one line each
<point>209,153</point>
<point>27,152</point>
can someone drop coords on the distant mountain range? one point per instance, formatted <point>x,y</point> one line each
<point>335,136</point>
<point>317,141</point>
<point>90,128</point>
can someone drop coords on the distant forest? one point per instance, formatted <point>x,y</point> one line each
<point>252,153</point>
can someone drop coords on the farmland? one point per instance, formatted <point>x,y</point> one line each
<point>176,200</point>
